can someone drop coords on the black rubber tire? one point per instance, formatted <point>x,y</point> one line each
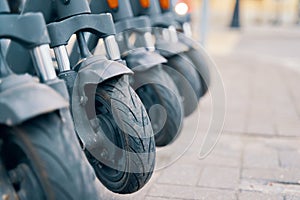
<point>50,149</point>
<point>160,89</point>
<point>202,66</point>
<point>135,137</point>
<point>182,71</point>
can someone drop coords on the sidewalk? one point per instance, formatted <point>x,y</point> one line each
<point>258,155</point>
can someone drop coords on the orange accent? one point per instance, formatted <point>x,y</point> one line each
<point>113,4</point>
<point>145,3</point>
<point>165,4</point>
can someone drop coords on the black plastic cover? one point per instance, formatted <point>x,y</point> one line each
<point>60,32</point>
<point>20,29</point>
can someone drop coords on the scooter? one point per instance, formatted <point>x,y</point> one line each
<point>167,44</point>
<point>196,52</point>
<point>154,86</point>
<point>40,157</point>
<point>110,120</point>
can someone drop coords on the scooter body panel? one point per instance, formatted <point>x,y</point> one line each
<point>22,98</point>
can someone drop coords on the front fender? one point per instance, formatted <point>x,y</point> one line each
<point>141,60</point>
<point>187,41</point>
<point>22,98</point>
<point>168,49</point>
<point>96,69</point>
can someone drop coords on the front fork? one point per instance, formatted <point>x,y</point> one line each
<point>43,63</point>
<point>62,56</point>
<point>170,34</point>
<point>68,74</point>
<point>112,48</point>
<point>187,29</point>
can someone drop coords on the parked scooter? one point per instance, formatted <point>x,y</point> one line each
<point>154,86</point>
<point>40,157</point>
<point>167,44</point>
<point>110,120</point>
<point>196,53</point>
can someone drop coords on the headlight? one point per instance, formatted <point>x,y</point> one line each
<point>181,8</point>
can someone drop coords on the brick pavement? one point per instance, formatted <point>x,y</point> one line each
<point>258,155</point>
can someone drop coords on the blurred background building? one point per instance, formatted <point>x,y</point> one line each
<point>252,12</point>
<point>214,29</point>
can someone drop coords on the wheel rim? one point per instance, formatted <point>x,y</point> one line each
<point>104,169</point>
<point>24,180</point>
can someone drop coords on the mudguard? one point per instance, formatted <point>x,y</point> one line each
<point>187,41</point>
<point>22,98</point>
<point>141,60</point>
<point>96,69</point>
<point>164,20</point>
<point>168,49</point>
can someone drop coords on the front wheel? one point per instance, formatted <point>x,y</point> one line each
<point>128,161</point>
<point>182,71</point>
<point>44,160</point>
<point>162,101</point>
<point>202,63</point>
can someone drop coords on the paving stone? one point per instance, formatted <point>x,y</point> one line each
<point>220,177</point>
<point>185,174</point>
<point>245,195</point>
<point>158,198</point>
<point>292,197</point>
<point>289,127</point>
<point>278,174</point>
<point>290,159</point>
<point>282,144</point>
<point>271,188</point>
<point>257,126</point>
<point>258,156</point>
<point>191,193</point>
<point>235,123</point>
<point>222,160</point>
<point>260,186</point>
<point>229,145</point>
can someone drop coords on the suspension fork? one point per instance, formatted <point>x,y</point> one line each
<point>63,60</point>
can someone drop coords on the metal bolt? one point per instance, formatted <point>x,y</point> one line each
<point>83,100</point>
